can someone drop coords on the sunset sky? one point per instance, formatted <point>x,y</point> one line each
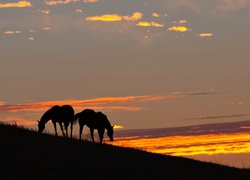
<point>145,64</point>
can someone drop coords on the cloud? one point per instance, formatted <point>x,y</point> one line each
<point>46,28</point>
<point>17,120</point>
<point>208,6</point>
<point>78,11</point>
<point>191,144</point>
<point>148,24</point>
<point>106,17</point>
<point>115,17</point>
<point>231,5</point>
<point>47,11</point>
<point>205,34</point>
<point>9,32</point>
<point>134,17</point>
<point>100,103</point>
<point>122,103</point>
<point>183,21</point>
<point>179,28</point>
<point>191,140</point>
<point>155,14</point>
<point>12,32</point>
<point>90,1</point>
<point>20,4</point>
<point>110,103</point>
<point>219,117</point>
<point>56,2</point>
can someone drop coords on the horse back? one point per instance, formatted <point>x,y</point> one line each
<point>64,113</point>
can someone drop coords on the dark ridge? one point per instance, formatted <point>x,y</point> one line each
<point>26,154</point>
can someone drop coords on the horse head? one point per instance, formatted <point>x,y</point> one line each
<point>41,126</point>
<point>110,133</point>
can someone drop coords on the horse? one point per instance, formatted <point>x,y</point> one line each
<point>58,114</point>
<point>94,120</point>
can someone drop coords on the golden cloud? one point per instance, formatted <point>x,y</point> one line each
<point>107,17</point>
<point>134,17</point>
<point>19,4</point>
<point>157,24</point>
<point>56,2</point>
<point>115,17</point>
<point>205,34</point>
<point>12,32</point>
<point>144,24</point>
<point>147,24</point>
<point>155,15</point>
<point>178,28</point>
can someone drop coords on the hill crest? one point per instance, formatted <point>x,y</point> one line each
<point>26,154</point>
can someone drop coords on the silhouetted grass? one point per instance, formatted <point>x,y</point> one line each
<point>26,154</point>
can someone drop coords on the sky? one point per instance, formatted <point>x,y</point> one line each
<point>145,64</point>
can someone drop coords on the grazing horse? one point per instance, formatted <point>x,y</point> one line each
<point>94,120</point>
<point>61,114</point>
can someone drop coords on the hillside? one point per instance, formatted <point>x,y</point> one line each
<point>27,154</point>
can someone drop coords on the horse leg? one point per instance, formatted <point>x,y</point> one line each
<point>62,129</point>
<point>92,134</point>
<point>101,132</point>
<point>66,128</point>
<point>54,123</point>
<point>71,129</point>
<point>66,125</point>
<point>80,131</point>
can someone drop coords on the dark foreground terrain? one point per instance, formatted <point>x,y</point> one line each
<point>29,155</point>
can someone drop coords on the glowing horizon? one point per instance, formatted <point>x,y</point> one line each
<point>209,144</point>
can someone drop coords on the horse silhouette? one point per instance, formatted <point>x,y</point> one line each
<point>94,120</point>
<point>58,114</point>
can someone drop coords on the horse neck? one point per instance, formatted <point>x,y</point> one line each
<point>108,125</point>
<point>46,117</point>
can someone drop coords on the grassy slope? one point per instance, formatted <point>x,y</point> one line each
<point>28,155</point>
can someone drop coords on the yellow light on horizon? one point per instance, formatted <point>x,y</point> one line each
<point>118,127</point>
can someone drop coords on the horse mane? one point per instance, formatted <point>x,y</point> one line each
<point>105,120</point>
<point>48,114</point>
<point>76,117</point>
